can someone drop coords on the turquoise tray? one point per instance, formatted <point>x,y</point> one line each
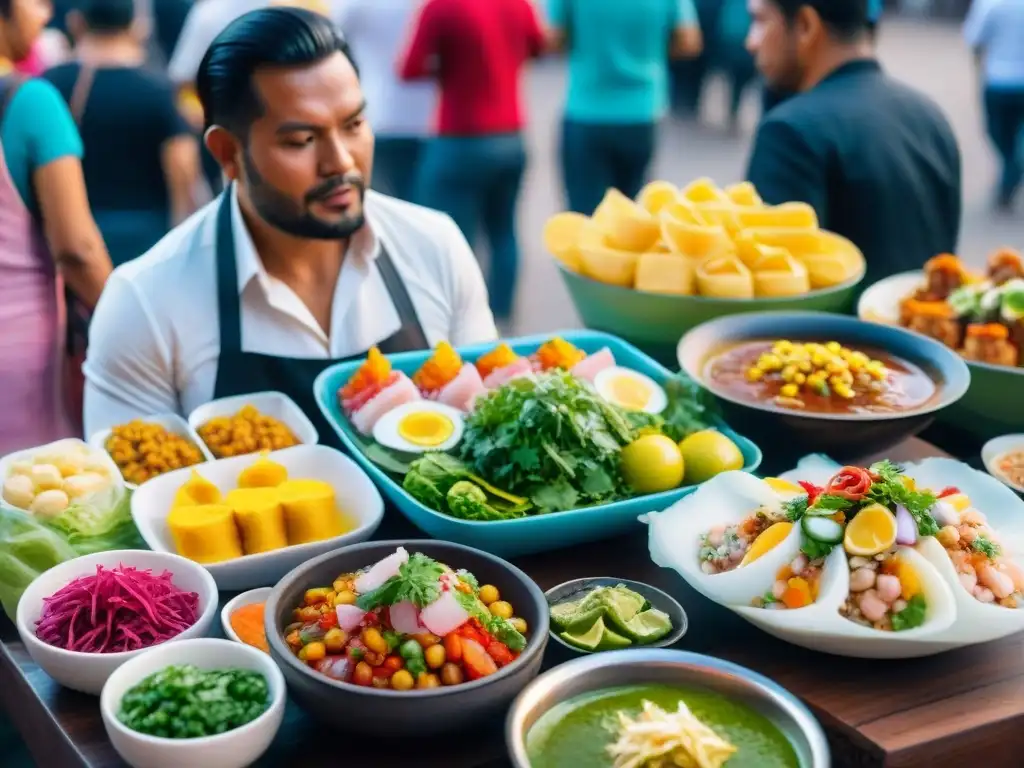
<point>508,538</point>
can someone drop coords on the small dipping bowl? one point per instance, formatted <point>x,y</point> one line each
<point>260,595</point>
<point>578,588</point>
<point>994,450</point>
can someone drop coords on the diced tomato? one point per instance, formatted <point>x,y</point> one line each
<point>394,663</point>
<point>949,490</point>
<point>813,491</point>
<point>328,620</point>
<point>453,648</point>
<point>383,672</point>
<point>500,653</point>
<point>476,660</point>
<point>473,630</point>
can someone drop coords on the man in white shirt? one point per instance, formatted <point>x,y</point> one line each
<point>401,113</point>
<point>294,267</point>
<point>995,30</point>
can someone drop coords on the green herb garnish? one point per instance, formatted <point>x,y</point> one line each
<point>417,581</point>
<point>890,491</point>
<point>986,546</point>
<point>815,549</point>
<point>911,616</point>
<point>392,638</point>
<point>768,598</point>
<point>832,502</point>
<point>795,508</point>
<point>501,629</point>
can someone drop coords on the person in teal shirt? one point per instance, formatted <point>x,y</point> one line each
<point>618,56</point>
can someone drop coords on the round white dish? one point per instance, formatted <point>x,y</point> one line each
<point>954,618</point>
<point>994,450</point>
<point>260,595</point>
<point>87,672</point>
<point>233,749</point>
<point>277,405</point>
<point>172,422</point>
<point>881,302</point>
<point>355,493</point>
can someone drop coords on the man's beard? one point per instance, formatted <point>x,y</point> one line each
<point>280,211</point>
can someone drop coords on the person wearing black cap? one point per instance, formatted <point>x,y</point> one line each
<point>876,159</point>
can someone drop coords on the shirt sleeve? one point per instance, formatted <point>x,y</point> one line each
<point>472,321</point>
<point>684,14</point>
<point>534,30</point>
<point>200,29</point>
<point>168,122</point>
<point>423,49</point>
<point>784,168</point>
<point>129,372</point>
<point>43,124</point>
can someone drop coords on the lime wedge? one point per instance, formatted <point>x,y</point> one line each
<point>648,626</point>
<point>624,602</point>
<point>589,640</point>
<point>563,613</point>
<point>611,641</point>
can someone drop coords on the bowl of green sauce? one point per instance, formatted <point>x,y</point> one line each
<point>202,703</point>
<point>595,709</point>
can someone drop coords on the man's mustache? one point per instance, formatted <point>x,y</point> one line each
<point>332,185</point>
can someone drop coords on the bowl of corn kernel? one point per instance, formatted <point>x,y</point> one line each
<point>243,424</point>
<point>792,377</point>
<point>145,448</point>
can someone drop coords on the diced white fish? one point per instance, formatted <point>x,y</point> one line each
<point>349,616</point>
<point>401,392</point>
<point>499,377</point>
<point>381,571</point>
<point>462,391</point>
<point>405,618</point>
<point>590,366</point>
<point>444,615</point>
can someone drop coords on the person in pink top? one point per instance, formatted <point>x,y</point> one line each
<point>47,239</point>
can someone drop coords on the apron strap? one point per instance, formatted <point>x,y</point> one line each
<point>410,336</point>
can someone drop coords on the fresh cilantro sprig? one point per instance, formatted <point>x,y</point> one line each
<point>795,508</point>
<point>911,616</point>
<point>891,490</point>
<point>417,581</point>
<point>832,503</point>
<point>815,549</point>
<point>768,598</point>
<point>986,546</point>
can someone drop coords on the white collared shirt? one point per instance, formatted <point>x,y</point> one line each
<point>996,27</point>
<point>154,342</point>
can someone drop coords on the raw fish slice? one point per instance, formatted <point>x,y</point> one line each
<point>444,615</point>
<point>502,376</point>
<point>590,366</point>
<point>462,391</point>
<point>405,618</point>
<point>381,571</point>
<point>402,391</point>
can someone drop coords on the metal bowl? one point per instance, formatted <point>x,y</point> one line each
<point>572,590</point>
<point>663,667</point>
<point>417,712</point>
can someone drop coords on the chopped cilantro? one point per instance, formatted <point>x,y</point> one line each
<point>986,546</point>
<point>815,549</point>
<point>911,616</point>
<point>468,578</point>
<point>890,490</point>
<point>355,653</point>
<point>417,581</point>
<point>832,502</point>
<point>393,639</point>
<point>768,597</point>
<point>795,508</point>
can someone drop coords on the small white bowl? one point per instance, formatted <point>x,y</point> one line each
<point>172,422</point>
<point>355,493</point>
<point>29,453</point>
<point>232,749</point>
<point>260,595</point>
<point>994,450</point>
<point>277,405</point>
<point>87,672</point>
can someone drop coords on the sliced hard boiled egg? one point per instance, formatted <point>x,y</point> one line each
<point>630,390</point>
<point>420,427</point>
<point>770,538</point>
<point>784,488</point>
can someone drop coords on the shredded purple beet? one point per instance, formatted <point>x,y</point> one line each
<point>119,609</point>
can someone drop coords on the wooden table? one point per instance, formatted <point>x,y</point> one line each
<point>963,707</point>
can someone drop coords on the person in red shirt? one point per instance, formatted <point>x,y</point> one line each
<point>473,169</point>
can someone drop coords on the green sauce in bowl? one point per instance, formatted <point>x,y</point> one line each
<point>577,732</point>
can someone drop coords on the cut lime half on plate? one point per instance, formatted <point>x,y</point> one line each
<point>648,626</point>
<point>597,638</point>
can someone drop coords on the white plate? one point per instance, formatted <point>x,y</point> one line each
<point>277,405</point>
<point>87,672</point>
<point>260,595</point>
<point>356,495</point>
<point>994,449</point>
<point>232,749</point>
<point>955,618</point>
<point>28,454</point>
<point>172,422</point>
<point>881,302</point>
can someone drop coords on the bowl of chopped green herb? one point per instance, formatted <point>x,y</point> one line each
<point>203,703</point>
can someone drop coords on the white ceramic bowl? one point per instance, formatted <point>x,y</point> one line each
<point>87,672</point>
<point>277,405</point>
<point>172,422</point>
<point>29,453</point>
<point>994,450</point>
<point>881,302</point>
<point>233,749</point>
<point>260,595</point>
<point>954,619</point>
<point>355,492</point>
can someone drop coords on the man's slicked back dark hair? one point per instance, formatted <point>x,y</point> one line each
<point>845,19</point>
<point>280,37</point>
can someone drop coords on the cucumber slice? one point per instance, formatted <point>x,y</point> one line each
<point>822,529</point>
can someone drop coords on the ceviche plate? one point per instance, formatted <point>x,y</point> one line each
<point>924,591</point>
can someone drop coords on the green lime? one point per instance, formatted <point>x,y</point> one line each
<point>589,640</point>
<point>563,613</point>
<point>612,641</point>
<point>621,605</point>
<point>708,453</point>
<point>648,626</point>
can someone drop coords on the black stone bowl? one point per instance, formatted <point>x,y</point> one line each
<point>843,436</point>
<point>418,712</point>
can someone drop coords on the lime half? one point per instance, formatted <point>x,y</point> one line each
<point>648,626</point>
<point>589,640</point>
<point>562,614</point>
<point>612,641</point>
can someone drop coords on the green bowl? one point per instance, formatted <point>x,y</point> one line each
<point>655,322</point>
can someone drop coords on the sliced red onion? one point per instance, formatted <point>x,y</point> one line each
<point>381,571</point>
<point>945,513</point>
<point>349,616</point>
<point>906,526</point>
<point>444,615</point>
<point>405,618</point>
